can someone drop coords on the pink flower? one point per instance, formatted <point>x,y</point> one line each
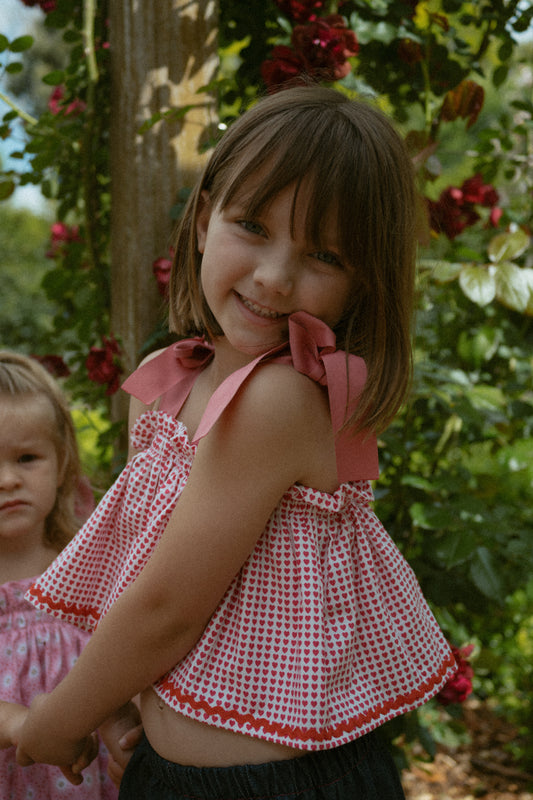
<point>61,236</point>
<point>161,268</point>
<point>457,689</point>
<point>103,365</point>
<point>56,104</point>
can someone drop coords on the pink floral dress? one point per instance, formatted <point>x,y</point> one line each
<point>36,652</point>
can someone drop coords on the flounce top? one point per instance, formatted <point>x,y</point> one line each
<point>324,633</point>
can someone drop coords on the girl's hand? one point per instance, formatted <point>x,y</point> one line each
<point>43,741</point>
<point>73,772</point>
<point>121,734</point>
<point>12,716</point>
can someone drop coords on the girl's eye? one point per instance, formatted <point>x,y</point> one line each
<point>27,458</point>
<point>328,258</point>
<point>251,226</point>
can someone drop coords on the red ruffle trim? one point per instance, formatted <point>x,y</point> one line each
<point>367,720</point>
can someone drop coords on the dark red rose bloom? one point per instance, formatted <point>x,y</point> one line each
<point>103,365</point>
<point>57,105</point>
<point>161,268</point>
<point>283,65</point>
<point>325,45</point>
<point>299,10</point>
<point>454,210</point>
<point>54,364</point>
<point>410,51</point>
<point>61,235</point>
<point>457,689</point>
<point>475,191</point>
<point>46,5</point>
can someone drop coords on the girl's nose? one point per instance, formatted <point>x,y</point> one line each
<point>276,272</point>
<point>9,478</point>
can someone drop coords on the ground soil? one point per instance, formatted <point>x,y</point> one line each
<point>483,768</point>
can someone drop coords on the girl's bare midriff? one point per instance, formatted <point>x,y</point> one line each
<point>186,741</point>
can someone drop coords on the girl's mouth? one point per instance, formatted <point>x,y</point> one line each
<point>10,504</point>
<point>260,311</point>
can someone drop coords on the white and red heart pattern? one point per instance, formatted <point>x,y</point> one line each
<point>322,636</point>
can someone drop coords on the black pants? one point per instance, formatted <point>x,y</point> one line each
<point>360,770</point>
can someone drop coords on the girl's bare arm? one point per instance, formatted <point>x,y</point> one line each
<point>275,434</point>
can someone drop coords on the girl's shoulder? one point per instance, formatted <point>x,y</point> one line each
<point>283,417</point>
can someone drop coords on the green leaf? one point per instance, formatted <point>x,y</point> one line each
<point>500,75</point>
<point>507,246</point>
<point>54,78</point>
<point>431,517</point>
<point>512,286</point>
<point>6,189</point>
<point>21,44</point>
<point>478,284</point>
<point>446,271</point>
<point>528,274</point>
<point>455,548</point>
<point>4,42</point>
<point>486,398</point>
<point>485,576</point>
<point>14,68</point>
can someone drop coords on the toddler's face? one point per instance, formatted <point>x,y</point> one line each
<point>29,469</point>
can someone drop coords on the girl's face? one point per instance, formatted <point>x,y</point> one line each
<point>256,272</point>
<point>29,469</point>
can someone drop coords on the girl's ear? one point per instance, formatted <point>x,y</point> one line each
<point>202,219</point>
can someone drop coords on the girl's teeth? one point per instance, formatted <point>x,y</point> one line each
<point>261,312</point>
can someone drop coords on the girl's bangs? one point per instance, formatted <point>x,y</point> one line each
<point>272,162</point>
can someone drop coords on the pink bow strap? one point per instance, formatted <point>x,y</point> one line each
<point>312,352</point>
<point>171,374</point>
<point>161,376</point>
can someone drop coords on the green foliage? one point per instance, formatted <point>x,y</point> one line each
<point>26,313</point>
<point>456,487</point>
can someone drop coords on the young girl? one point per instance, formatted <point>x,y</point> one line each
<point>235,574</point>
<point>39,476</point>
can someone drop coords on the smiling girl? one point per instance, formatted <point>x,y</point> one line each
<point>235,575</point>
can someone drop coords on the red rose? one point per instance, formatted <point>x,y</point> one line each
<point>282,66</point>
<point>103,366</point>
<point>299,10</point>
<point>457,689</point>
<point>454,210</point>
<point>46,5</point>
<point>61,235</point>
<point>54,364</point>
<point>161,268</point>
<point>56,104</point>
<point>325,45</point>
<point>410,51</point>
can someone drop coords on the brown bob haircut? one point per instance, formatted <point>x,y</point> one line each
<point>360,177</point>
<point>22,376</point>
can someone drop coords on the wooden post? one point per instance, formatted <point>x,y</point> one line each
<point>161,53</point>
